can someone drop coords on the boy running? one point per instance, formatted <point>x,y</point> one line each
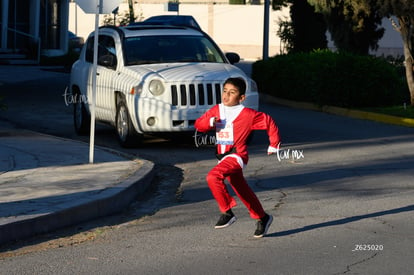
<point>234,123</point>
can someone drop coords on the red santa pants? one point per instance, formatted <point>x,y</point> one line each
<point>230,169</point>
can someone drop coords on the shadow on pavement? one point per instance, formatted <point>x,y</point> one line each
<point>342,221</point>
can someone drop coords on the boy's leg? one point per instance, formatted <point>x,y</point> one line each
<point>215,179</point>
<point>245,193</point>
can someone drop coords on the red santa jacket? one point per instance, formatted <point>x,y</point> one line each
<point>243,124</point>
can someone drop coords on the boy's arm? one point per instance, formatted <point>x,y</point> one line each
<point>207,121</point>
<point>264,121</point>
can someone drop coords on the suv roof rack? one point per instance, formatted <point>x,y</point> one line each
<point>117,29</point>
<point>172,20</point>
<point>151,26</point>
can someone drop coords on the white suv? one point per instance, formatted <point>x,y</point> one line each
<point>152,79</point>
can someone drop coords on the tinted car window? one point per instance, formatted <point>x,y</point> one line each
<point>164,49</point>
<point>106,45</point>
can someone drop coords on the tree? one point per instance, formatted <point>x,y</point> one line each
<point>237,2</point>
<point>308,27</point>
<point>285,33</point>
<point>353,25</point>
<point>285,28</point>
<point>279,4</point>
<point>403,11</point>
<point>131,11</point>
<point>305,31</point>
<point>123,18</point>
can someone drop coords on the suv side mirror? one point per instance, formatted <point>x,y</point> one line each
<point>108,60</point>
<point>233,57</point>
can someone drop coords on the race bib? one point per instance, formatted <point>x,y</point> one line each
<point>224,133</point>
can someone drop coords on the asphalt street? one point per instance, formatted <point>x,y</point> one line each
<point>341,192</point>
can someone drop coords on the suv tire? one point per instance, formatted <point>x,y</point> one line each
<point>127,135</point>
<point>81,117</point>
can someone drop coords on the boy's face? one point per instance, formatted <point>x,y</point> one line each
<point>231,95</point>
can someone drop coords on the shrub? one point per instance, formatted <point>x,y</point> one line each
<point>237,2</point>
<point>328,78</point>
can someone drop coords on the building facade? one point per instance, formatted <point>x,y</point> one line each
<point>29,28</point>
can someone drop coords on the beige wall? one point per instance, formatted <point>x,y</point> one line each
<point>237,28</point>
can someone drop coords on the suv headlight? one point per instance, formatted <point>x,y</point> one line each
<point>156,87</point>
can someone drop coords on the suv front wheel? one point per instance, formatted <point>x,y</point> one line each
<point>127,135</point>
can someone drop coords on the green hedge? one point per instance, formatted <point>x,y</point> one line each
<point>329,78</point>
<point>237,2</point>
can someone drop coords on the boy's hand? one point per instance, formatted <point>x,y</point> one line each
<point>271,150</point>
<point>213,121</point>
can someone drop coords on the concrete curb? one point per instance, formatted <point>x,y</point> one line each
<point>407,122</point>
<point>109,201</point>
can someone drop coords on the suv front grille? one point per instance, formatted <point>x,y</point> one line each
<point>196,94</point>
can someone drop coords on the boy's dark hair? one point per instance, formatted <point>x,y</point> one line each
<point>238,82</point>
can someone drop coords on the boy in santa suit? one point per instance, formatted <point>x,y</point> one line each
<point>233,124</point>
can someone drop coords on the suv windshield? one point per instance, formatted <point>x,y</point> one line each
<point>167,49</point>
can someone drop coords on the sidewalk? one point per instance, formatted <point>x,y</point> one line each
<point>47,182</point>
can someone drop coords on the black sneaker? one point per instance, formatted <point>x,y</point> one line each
<point>263,225</point>
<point>226,219</point>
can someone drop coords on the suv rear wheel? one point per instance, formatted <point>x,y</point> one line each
<point>81,117</point>
<point>127,135</point>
